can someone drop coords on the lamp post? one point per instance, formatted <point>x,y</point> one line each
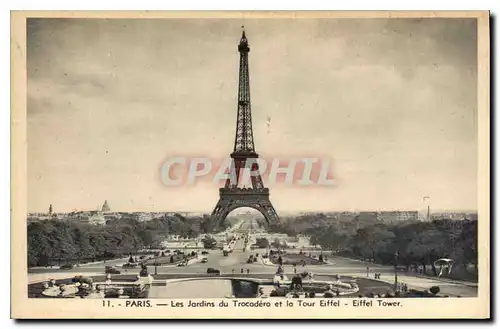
<point>396,255</point>
<point>156,265</point>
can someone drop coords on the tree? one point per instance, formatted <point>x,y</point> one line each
<point>371,240</point>
<point>52,241</point>
<point>209,242</point>
<point>147,236</point>
<point>314,241</point>
<point>262,242</point>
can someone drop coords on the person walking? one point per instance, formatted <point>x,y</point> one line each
<point>296,283</point>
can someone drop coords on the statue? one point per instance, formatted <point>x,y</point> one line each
<point>144,271</point>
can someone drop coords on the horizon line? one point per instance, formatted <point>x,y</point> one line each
<point>282,212</point>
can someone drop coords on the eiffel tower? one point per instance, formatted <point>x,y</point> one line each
<point>244,156</point>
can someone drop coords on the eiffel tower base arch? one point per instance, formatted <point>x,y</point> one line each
<point>234,198</point>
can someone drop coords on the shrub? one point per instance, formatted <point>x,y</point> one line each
<point>434,290</point>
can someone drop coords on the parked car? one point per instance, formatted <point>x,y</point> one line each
<point>214,271</point>
<point>182,264</point>
<point>129,265</point>
<point>204,252</point>
<point>111,270</point>
<point>67,267</point>
<point>204,260</point>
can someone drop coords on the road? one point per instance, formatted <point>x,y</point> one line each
<point>237,261</point>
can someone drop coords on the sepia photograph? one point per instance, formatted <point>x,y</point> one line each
<point>331,162</point>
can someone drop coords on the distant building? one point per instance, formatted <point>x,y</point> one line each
<point>88,217</point>
<point>105,207</point>
<point>138,216</point>
<point>393,216</point>
<point>472,216</point>
<point>33,219</point>
<point>453,216</point>
<point>111,216</point>
<point>36,217</point>
<point>143,217</point>
<point>367,216</point>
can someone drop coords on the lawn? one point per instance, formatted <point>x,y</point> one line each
<point>297,259</point>
<point>169,259</point>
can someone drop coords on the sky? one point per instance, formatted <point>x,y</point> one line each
<point>392,102</point>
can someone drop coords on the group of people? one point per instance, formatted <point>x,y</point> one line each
<point>242,271</point>
<point>402,287</point>
<point>381,295</point>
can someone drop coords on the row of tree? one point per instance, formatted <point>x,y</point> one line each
<point>52,242</point>
<point>415,245</point>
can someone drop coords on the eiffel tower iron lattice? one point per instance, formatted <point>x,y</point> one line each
<point>244,156</point>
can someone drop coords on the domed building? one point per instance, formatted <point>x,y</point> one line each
<point>105,207</point>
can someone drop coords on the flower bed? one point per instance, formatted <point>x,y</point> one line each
<point>295,259</point>
<point>169,259</point>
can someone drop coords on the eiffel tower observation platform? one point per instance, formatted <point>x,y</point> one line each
<point>243,191</point>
